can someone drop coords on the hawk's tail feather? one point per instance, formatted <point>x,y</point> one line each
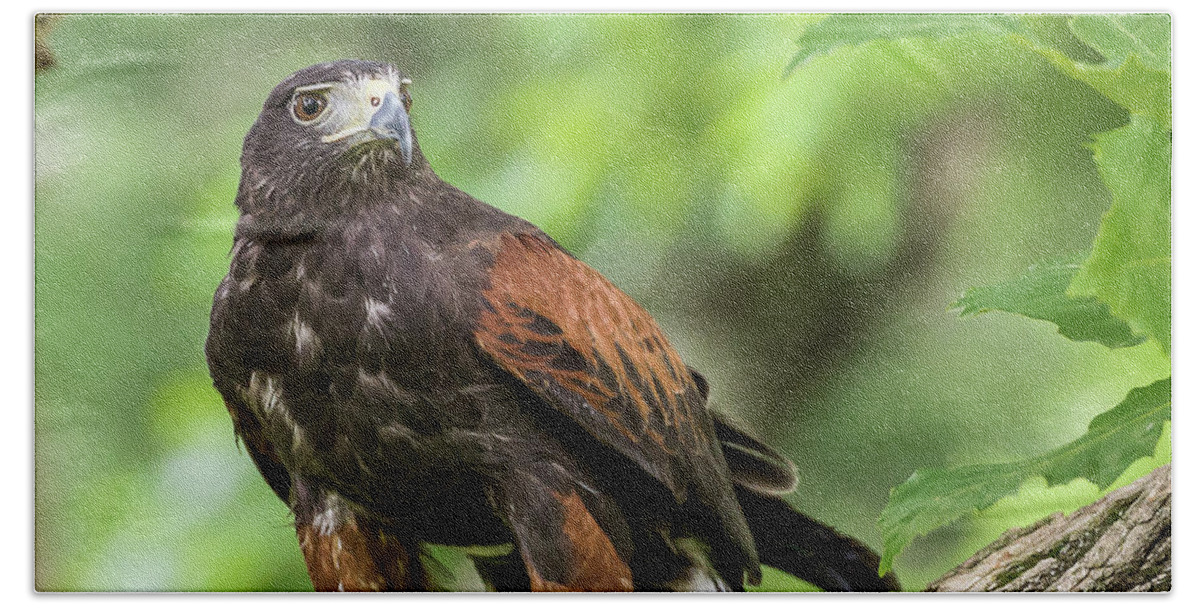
<point>810,550</point>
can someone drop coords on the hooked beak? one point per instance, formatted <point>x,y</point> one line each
<point>391,122</point>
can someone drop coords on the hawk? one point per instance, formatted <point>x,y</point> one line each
<point>408,366</point>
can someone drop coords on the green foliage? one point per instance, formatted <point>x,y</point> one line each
<point>837,31</point>
<point>1041,293</point>
<point>1038,31</point>
<point>1130,85</point>
<point>1130,265</point>
<point>1137,70</point>
<point>932,498</point>
<point>1119,37</point>
<point>776,581</point>
<point>1136,73</point>
<point>1124,282</point>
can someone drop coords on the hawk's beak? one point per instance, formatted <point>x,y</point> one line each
<point>391,122</point>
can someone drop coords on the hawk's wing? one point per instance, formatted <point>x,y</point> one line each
<point>597,356</point>
<point>592,353</point>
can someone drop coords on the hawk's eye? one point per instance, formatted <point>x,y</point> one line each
<point>308,106</point>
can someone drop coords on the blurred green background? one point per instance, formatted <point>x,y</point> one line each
<point>799,237</point>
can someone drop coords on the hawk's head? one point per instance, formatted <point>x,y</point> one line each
<point>333,124</point>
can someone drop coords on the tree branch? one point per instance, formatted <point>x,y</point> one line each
<point>1121,542</point>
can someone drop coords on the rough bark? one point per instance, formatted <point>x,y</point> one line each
<point>1121,542</point>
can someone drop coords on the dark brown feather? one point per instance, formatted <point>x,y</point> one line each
<point>752,463</point>
<point>247,428</point>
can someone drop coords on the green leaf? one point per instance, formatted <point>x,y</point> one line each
<point>1041,293</point>
<point>836,31</point>
<point>1130,265</point>
<point>839,30</point>
<point>932,498</point>
<point>1113,440</point>
<point>1136,71</point>
<point>1132,85</point>
<point>1127,58</point>
<point>775,581</point>
<point>1119,37</point>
